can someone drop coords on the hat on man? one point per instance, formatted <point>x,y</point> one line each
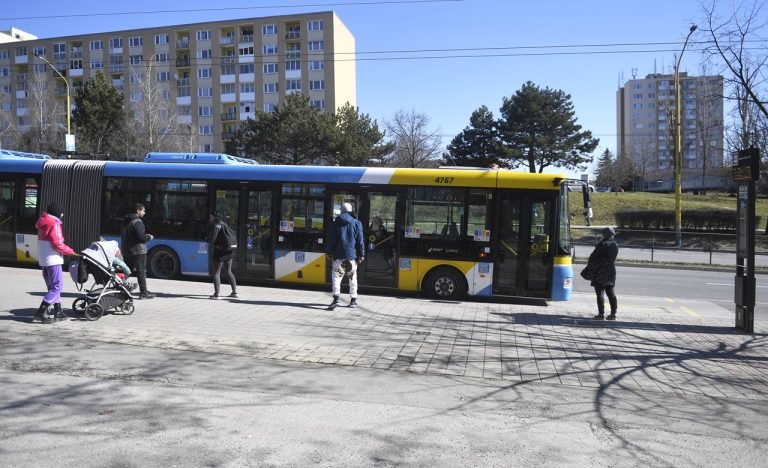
<point>346,208</point>
<point>55,209</point>
<point>608,232</point>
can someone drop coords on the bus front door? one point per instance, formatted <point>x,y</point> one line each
<point>377,213</point>
<point>524,260</point>
<point>7,218</point>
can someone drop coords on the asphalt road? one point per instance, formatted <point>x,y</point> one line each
<point>713,286</point>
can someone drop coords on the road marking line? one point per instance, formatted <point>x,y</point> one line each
<point>730,284</point>
<point>689,311</point>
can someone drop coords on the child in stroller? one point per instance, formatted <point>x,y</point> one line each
<point>109,291</point>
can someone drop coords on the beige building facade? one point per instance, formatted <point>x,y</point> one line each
<point>645,122</point>
<point>214,75</point>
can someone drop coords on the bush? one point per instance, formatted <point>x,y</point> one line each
<point>692,220</point>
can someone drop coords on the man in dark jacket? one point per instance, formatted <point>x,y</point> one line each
<point>220,256</point>
<point>603,259</point>
<point>347,249</point>
<point>134,247</point>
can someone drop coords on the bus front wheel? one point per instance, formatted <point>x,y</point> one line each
<point>163,263</point>
<point>445,283</point>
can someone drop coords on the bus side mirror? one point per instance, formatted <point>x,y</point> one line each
<point>587,200</point>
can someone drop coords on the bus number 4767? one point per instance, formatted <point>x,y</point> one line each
<point>443,180</point>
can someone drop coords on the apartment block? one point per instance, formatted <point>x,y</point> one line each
<point>645,122</point>
<point>214,74</point>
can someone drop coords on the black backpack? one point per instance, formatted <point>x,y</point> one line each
<point>227,239</point>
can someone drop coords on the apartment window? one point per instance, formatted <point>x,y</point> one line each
<point>228,88</point>
<point>59,51</point>
<point>161,58</point>
<point>270,68</point>
<point>315,45</point>
<point>161,39</point>
<point>316,64</point>
<point>204,73</point>
<point>318,104</point>
<point>40,68</point>
<point>135,59</point>
<point>134,79</point>
<point>135,41</point>
<point>21,86</point>
<point>205,111</point>
<point>3,55</point>
<point>136,96</point>
<point>206,129</point>
<point>204,92</point>
<point>270,107</point>
<point>637,105</point>
<point>317,85</point>
<point>246,68</point>
<point>206,148</point>
<point>38,51</point>
<point>269,49</point>
<point>650,86</point>
<point>637,96</point>
<point>21,103</point>
<point>245,50</point>
<point>76,64</point>
<point>248,87</point>
<point>204,35</point>
<point>204,54</point>
<point>651,95</point>
<point>247,107</point>
<point>638,86</point>
<point>21,51</point>
<point>116,43</point>
<point>293,64</point>
<point>4,71</point>
<point>5,107</point>
<point>184,110</point>
<point>163,76</point>
<point>293,85</point>
<point>269,29</point>
<point>316,25</point>
<point>97,45</point>
<point>293,52</point>
<point>270,88</point>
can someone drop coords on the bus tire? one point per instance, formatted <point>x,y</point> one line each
<point>445,283</point>
<point>163,263</point>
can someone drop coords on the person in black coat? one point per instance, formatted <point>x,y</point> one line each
<point>220,256</point>
<point>603,260</point>
<point>133,244</point>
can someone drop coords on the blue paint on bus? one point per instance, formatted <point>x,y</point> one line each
<point>193,255</point>
<point>22,165</point>
<point>304,174</point>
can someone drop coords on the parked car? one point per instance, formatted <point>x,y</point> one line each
<point>603,189</point>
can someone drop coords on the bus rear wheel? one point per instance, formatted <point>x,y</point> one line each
<point>445,283</point>
<point>163,263</point>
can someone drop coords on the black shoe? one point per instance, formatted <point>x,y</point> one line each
<point>611,317</point>
<point>353,303</point>
<point>60,316</point>
<point>334,303</point>
<point>146,295</point>
<point>599,317</point>
<point>41,312</point>
<point>234,294</point>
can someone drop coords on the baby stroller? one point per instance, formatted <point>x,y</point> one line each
<point>108,292</point>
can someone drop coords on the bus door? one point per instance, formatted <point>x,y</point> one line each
<point>376,211</point>
<point>524,260</point>
<point>7,217</point>
<point>248,210</point>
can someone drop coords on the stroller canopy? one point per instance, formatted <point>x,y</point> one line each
<point>102,252</point>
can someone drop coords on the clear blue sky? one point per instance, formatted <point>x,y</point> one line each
<point>446,89</point>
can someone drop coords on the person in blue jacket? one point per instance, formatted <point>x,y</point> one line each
<point>347,249</point>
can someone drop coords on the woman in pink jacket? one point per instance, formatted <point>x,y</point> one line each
<point>51,251</point>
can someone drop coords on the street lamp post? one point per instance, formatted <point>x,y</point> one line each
<point>678,158</point>
<point>66,83</point>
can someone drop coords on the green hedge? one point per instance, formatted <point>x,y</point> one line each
<point>692,220</point>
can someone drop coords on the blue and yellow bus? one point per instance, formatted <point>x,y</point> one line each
<point>446,233</point>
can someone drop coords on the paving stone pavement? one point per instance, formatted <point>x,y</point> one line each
<point>655,346</point>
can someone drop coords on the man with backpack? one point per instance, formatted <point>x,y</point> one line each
<point>222,241</point>
<point>346,248</point>
<point>134,246</point>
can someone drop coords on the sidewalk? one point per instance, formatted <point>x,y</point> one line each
<point>655,346</point>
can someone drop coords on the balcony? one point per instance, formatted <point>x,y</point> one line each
<point>182,82</point>
<point>293,35</point>
<point>182,43</point>
<point>225,79</point>
<point>185,119</point>
<point>229,97</point>
<point>228,60</point>
<point>116,68</point>
<point>246,39</point>
<point>184,101</point>
<point>227,136</point>
<point>228,116</point>
<point>76,72</point>
<point>63,72</point>
<point>21,59</point>
<point>182,62</point>
<point>226,40</point>
<point>77,54</point>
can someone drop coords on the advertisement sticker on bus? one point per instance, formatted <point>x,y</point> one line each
<point>413,232</point>
<point>286,226</point>
<point>482,235</point>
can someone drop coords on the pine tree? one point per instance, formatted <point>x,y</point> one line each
<point>604,171</point>
<point>99,117</point>
<point>478,144</point>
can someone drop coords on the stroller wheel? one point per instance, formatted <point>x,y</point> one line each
<point>78,307</point>
<point>94,311</point>
<point>128,308</point>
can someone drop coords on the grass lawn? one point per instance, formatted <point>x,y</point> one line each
<point>605,205</point>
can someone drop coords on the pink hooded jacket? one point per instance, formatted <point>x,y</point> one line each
<point>50,241</point>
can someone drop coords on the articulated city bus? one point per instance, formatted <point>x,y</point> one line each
<point>446,233</point>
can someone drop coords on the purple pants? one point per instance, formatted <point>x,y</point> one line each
<point>54,281</point>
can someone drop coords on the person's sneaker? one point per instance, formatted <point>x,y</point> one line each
<point>599,317</point>
<point>61,317</point>
<point>146,295</point>
<point>234,294</point>
<point>333,303</point>
<point>353,303</point>
<point>215,297</point>
<point>48,319</point>
<point>611,317</point>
